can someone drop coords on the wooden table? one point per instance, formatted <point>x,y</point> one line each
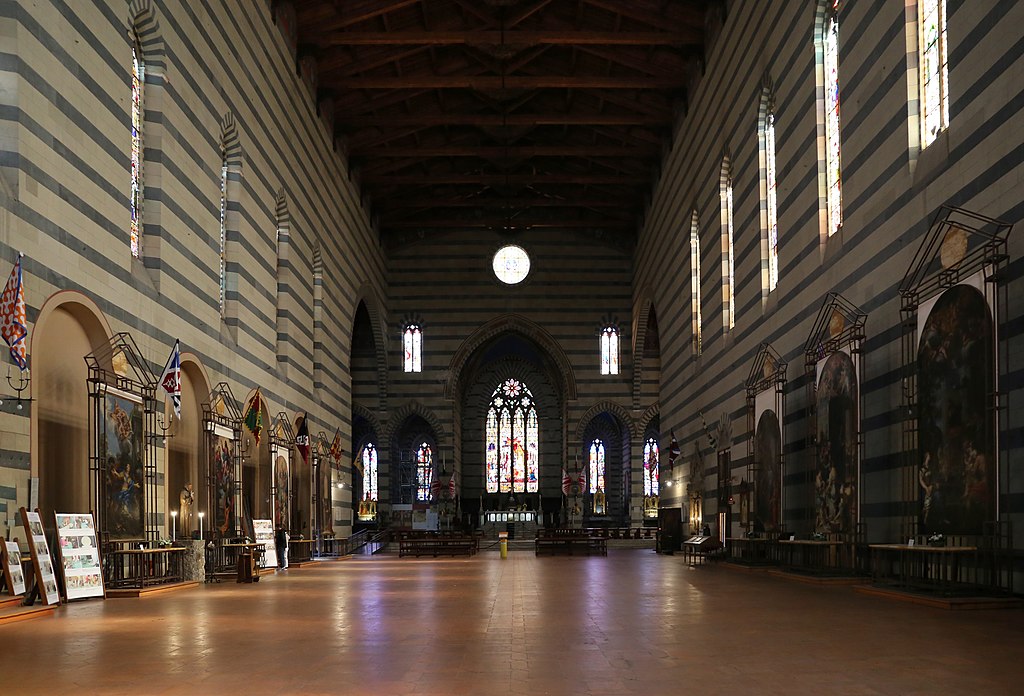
<point>300,550</point>
<point>752,551</point>
<point>919,565</point>
<point>812,555</point>
<point>139,568</point>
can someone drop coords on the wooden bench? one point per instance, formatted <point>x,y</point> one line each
<point>440,546</point>
<point>569,544</point>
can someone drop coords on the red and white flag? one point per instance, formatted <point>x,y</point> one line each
<point>435,487</point>
<point>566,482</point>
<point>582,480</point>
<point>14,327</point>
<point>451,486</point>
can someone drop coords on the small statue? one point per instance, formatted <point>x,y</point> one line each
<point>185,501</point>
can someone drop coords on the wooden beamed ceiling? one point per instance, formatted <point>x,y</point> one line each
<point>504,115</point>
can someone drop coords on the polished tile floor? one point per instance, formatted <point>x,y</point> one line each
<point>631,623</point>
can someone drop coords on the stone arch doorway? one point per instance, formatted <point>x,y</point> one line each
<point>185,449</point>
<point>608,433</point>
<point>69,327</point>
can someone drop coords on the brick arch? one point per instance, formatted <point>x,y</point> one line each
<point>606,407</point>
<point>413,408</point>
<point>143,23</point>
<point>510,323</point>
<point>652,412</point>
<point>366,414</point>
<point>639,341</point>
<point>368,296</point>
<point>230,144</point>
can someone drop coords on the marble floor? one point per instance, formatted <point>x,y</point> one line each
<point>631,623</point>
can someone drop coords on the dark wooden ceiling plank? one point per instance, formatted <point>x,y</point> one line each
<point>498,82</point>
<point>568,37</point>
<point>491,119</point>
<point>500,179</point>
<point>588,151</point>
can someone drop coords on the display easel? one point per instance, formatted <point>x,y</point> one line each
<point>13,573</point>
<point>42,564</point>
<point>79,556</point>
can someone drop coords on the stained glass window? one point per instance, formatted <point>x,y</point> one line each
<point>369,457</point>
<point>596,473</point>
<point>695,281</point>
<point>513,443</point>
<point>771,201</point>
<point>934,78</point>
<point>223,228</point>
<point>610,351</point>
<point>511,264</point>
<point>413,344</point>
<point>728,265</point>
<point>135,202</point>
<point>833,165</point>
<point>424,471</point>
<point>651,472</point>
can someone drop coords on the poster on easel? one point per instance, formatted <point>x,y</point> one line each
<point>79,556</point>
<point>13,573</point>
<point>264,534</point>
<point>46,583</point>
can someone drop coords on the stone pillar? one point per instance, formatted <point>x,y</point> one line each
<point>194,562</point>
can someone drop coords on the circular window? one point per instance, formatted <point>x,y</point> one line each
<point>511,264</point>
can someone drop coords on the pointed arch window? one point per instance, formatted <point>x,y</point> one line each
<point>412,342</point>
<point>135,201</point>
<point>597,467</point>
<point>223,228</point>
<point>695,281</point>
<point>609,351</point>
<point>369,459</point>
<point>771,205</point>
<point>651,470</point>
<point>934,69</point>
<point>728,263</point>
<point>833,148</point>
<point>424,471</point>
<point>513,440</point>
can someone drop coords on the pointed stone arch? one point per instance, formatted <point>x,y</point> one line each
<point>609,407</point>
<point>360,411</point>
<point>414,408</point>
<point>144,25</point>
<point>368,296</point>
<point>639,345</point>
<point>653,411</point>
<point>510,323</point>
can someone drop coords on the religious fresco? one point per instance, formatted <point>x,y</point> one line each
<point>768,484</point>
<point>280,491</point>
<point>835,481</point>
<point>222,461</point>
<point>120,448</point>
<point>955,362</point>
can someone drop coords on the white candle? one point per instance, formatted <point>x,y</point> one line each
<point>174,525</point>
<point>200,525</point>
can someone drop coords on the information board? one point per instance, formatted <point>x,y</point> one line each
<point>45,580</point>
<point>79,556</point>
<point>264,534</point>
<point>13,572</point>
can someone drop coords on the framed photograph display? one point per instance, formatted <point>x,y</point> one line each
<point>13,573</point>
<point>46,582</point>
<point>79,556</point>
<point>264,531</point>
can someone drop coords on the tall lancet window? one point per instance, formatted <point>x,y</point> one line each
<point>596,473</point>
<point>135,202</point>
<point>651,471</point>
<point>609,351</point>
<point>771,201</point>
<point>424,471</point>
<point>513,440</point>
<point>223,229</point>
<point>369,457</point>
<point>412,342</point>
<point>932,62</point>
<point>833,161</point>
<point>695,281</point>
<point>728,264</point>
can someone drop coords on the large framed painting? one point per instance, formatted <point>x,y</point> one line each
<point>281,486</point>
<point>956,423</point>
<point>222,463</point>
<point>120,449</point>
<point>768,481</point>
<point>835,479</point>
